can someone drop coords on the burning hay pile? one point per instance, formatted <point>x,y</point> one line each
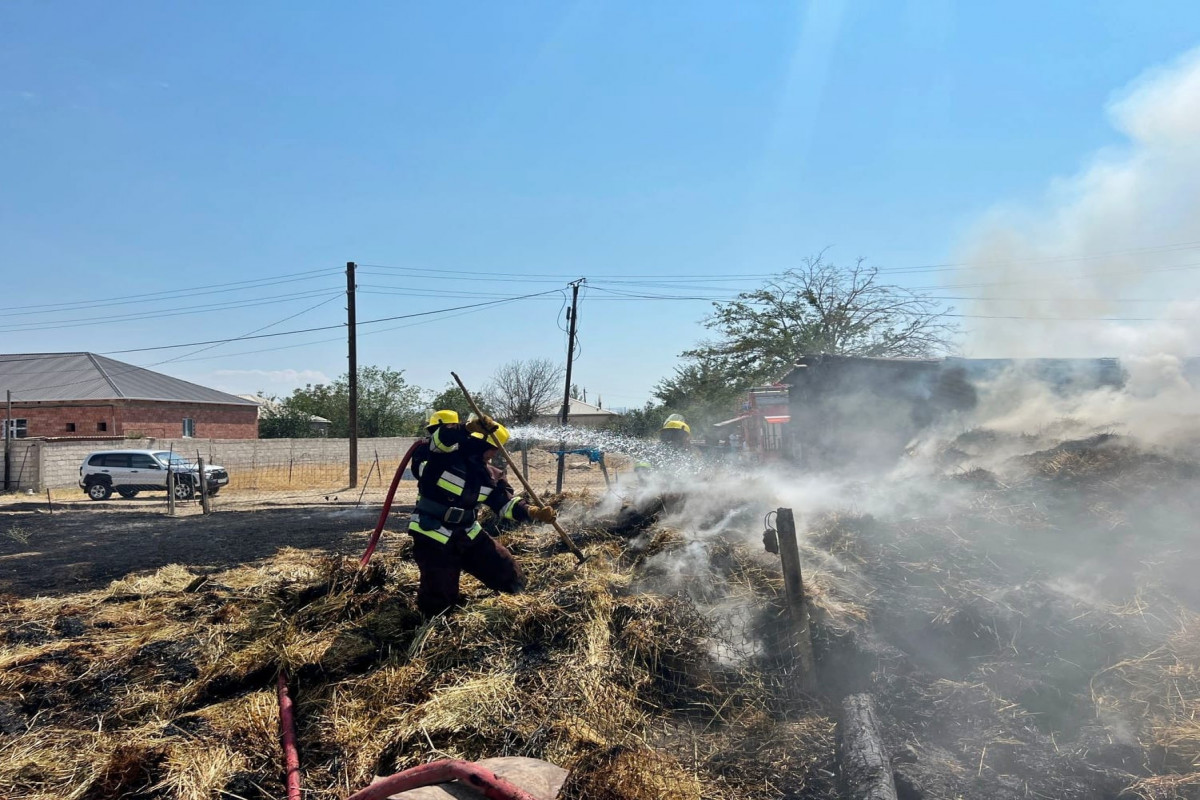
<point>162,685</point>
<point>1025,634</point>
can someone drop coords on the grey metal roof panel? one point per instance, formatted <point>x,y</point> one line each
<point>87,376</point>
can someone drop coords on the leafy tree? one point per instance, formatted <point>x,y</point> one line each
<point>642,422</point>
<point>452,398</point>
<point>822,308</point>
<point>521,389</point>
<point>703,392</point>
<point>280,420</point>
<point>387,404</point>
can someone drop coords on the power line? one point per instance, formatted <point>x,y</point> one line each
<point>388,329</point>
<point>640,277</point>
<point>326,301</point>
<point>177,312</point>
<point>134,368</point>
<point>236,286</point>
<point>324,327</point>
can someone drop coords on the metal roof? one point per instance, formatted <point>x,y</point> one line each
<point>87,376</point>
<point>578,408</point>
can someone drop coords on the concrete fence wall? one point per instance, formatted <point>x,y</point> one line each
<point>55,464</point>
<point>25,470</point>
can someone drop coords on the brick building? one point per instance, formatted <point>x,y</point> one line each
<point>87,395</point>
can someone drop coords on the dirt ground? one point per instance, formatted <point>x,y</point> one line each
<point>75,544</point>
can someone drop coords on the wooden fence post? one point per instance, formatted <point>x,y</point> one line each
<point>793,578</point>
<point>202,485</point>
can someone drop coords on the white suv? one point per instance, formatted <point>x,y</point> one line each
<point>128,472</point>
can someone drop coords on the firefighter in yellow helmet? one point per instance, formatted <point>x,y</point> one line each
<point>443,417</point>
<point>676,433</point>
<point>453,480</point>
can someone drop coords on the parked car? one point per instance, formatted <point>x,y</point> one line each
<point>128,472</point>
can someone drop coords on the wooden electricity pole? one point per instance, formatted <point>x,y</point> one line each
<point>566,406</point>
<point>352,354</point>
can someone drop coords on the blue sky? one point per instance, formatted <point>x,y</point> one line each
<point>486,150</point>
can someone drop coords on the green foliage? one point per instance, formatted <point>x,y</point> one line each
<point>387,404</point>
<point>280,420</point>
<point>821,308</point>
<point>643,422</point>
<point>703,392</point>
<point>452,399</point>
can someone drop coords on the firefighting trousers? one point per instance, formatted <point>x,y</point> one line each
<point>441,566</point>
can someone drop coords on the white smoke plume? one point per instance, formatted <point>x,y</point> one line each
<point>1107,265</point>
<point>1125,228</point>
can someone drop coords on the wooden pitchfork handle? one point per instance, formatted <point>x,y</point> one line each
<point>575,551</point>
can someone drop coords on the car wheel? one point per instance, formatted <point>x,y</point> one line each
<point>213,492</point>
<point>183,490</point>
<point>99,491</point>
<point>128,494</point>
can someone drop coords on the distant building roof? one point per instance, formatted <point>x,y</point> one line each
<point>87,376</point>
<point>268,404</point>
<point>578,408</point>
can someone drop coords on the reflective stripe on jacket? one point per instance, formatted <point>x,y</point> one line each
<point>451,471</point>
<point>435,530</point>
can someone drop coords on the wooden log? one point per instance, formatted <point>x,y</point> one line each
<point>866,768</point>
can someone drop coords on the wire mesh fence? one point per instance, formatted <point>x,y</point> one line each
<point>300,475</point>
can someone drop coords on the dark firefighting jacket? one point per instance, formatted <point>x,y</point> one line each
<point>453,480</point>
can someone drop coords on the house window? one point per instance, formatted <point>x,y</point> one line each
<point>70,427</point>
<point>189,427</point>
<point>102,426</point>
<point>18,428</point>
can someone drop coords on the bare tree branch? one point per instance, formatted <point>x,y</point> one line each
<point>522,389</point>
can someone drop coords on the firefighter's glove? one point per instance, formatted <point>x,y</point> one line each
<point>483,425</point>
<point>542,514</point>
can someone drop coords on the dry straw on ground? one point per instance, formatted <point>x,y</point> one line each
<point>161,685</point>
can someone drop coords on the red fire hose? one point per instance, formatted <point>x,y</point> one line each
<point>487,783</point>
<point>287,721</point>
<point>287,729</point>
<point>387,504</point>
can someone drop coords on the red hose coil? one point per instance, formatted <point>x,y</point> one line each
<point>487,783</point>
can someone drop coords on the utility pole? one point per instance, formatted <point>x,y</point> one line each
<point>352,354</point>
<point>8,426</point>
<point>566,406</point>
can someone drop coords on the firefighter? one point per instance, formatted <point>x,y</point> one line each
<point>676,433</point>
<point>443,417</point>
<point>453,480</point>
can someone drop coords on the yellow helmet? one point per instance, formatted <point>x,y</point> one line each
<point>497,437</point>
<point>676,422</point>
<point>443,417</point>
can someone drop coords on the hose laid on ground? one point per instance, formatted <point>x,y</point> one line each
<point>387,504</point>
<point>287,732</point>
<point>484,781</point>
<point>287,717</point>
